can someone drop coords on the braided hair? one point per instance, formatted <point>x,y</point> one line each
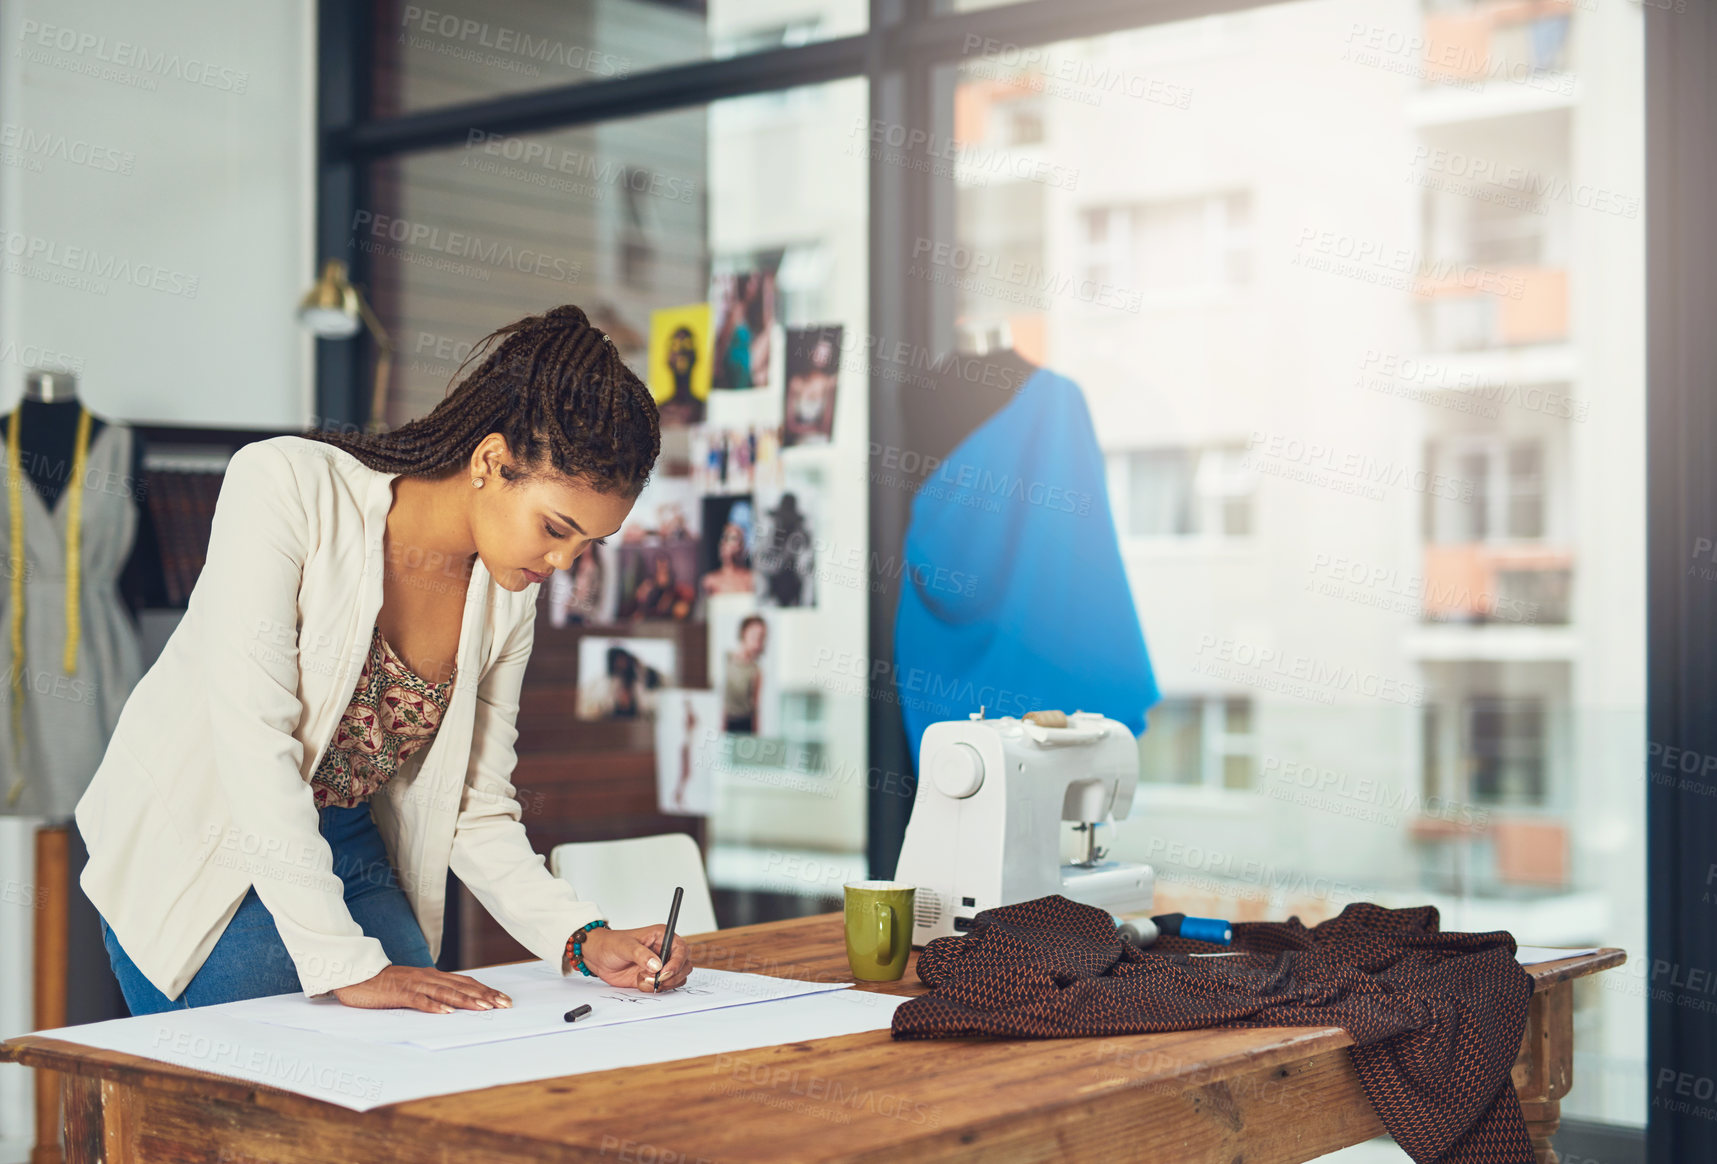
<point>554,387</point>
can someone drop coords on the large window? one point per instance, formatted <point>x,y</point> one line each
<point>1345,317</point>
<point>739,226</point>
<point>1371,421</point>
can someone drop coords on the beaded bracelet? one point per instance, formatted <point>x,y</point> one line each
<point>575,946</point>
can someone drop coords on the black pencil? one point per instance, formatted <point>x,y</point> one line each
<point>668,937</point>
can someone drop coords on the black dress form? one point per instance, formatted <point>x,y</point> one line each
<point>46,443</point>
<point>965,391</point>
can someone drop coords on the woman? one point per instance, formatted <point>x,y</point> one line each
<point>330,728</point>
<point>660,594</point>
<point>744,680</point>
<point>733,573</point>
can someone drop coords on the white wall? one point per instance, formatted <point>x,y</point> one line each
<point>157,205</point>
<point>156,217</point>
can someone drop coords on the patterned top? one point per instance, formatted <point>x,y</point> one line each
<point>393,714</point>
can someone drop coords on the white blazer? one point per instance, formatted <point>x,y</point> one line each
<point>204,788</point>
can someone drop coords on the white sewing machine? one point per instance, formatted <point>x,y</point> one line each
<point>986,823</point>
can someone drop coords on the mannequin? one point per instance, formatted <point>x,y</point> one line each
<point>59,717</point>
<point>1014,583</point>
<point>971,384</point>
<point>66,718</point>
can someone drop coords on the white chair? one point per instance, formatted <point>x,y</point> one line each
<point>633,880</point>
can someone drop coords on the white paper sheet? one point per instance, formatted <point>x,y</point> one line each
<point>1529,955</point>
<point>541,997</point>
<point>362,1075</point>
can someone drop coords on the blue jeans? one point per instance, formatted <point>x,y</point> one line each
<point>250,961</point>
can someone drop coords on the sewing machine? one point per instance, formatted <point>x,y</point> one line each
<point>986,823</point>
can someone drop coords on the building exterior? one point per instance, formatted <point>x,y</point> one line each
<point>1354,293</point>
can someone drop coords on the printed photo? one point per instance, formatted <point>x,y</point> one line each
<point>688,734</point>
<point>657,559</point>
<point>742,676</point>
<point>657,581</point>
<point>784,555</point>
<point>813,370</point>
<point>622,678</point>
<point>679,376</point>
<point>742,297</point>
<point>585,593</point>
<point>726,558</point>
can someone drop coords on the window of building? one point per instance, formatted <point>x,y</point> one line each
<point>1504,747</point>
<point>1200,742</point>
<point>1183,492</point>
<point>1493,490</point>
<point>1183,246</point>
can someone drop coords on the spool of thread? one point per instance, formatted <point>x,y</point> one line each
<point>1207,929</point>
<point>1141,931</point>
<point>1199,929</point>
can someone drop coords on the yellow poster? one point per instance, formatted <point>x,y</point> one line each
<point>680,362</point>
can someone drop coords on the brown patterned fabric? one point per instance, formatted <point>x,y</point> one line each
<point>1436,1018</point>
<point>393,713</point>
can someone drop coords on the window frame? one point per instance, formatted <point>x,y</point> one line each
<point>902,53</point>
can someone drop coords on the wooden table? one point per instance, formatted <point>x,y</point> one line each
<point>1269,1096</point>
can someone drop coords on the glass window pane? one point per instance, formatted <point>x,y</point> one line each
<point>1525,491</point>
<point>1239,772</point>
<point>1426,376</point>
<point>467,50</point>
<point>1172,750</point>
<point>1238,717</point>
<point>747,221</point>
<point>1161,499</point>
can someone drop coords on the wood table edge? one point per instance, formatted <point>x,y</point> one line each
<point>1293,1044</point>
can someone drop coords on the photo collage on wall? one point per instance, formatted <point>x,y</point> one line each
<point>723,534</point>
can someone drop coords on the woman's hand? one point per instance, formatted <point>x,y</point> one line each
<point>632,958</point>
<point>422,988</point>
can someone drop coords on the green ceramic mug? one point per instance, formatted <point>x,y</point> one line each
<point>879,928</point>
